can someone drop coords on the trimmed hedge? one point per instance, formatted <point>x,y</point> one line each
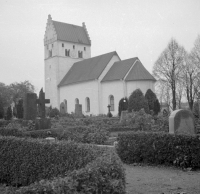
<point>103,175</point>
<point>159,148</point>
<point>24,161</point>
<point>59,167</point>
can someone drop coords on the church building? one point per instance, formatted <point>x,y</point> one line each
<point>73,77</point>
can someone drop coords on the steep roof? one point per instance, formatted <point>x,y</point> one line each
<point>71,33</point>
<point>119,70</point>
<point>138,72</point>
<point>88,69</point>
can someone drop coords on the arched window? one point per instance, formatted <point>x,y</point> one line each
<point>87,104</point>
<point>76,101</point>
<point>111,102</point>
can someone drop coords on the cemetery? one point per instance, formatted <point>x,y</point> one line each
<point>51,152</point>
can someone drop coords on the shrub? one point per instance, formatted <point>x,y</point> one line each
<point>24,161</point>
<point>159,148</point>
<point>1,109</point>
<point>79,134</point>
<point>20,109</point>
<point>139,120</point>
<point>156,107</point>
<point>137,101</point>
<point>9,113</point>
<point>54,112</point>
<point>77,168</point>
<point>123,105</point>
<point>151,97</point>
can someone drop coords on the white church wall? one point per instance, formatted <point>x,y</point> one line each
<point>74,48</point>
<point>142,85</point>
<point>81,91</point>
<point>101,102</point>
<point>114,88</point>
<point>51,83</point>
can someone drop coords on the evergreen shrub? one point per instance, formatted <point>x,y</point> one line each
<point>9,113</point>
<point>59,167</point>
<point>54,112</point>
<point>123,105</point>
<point>159,148</point>
<point>151,98</point>
<point>1,109</point>
<point>20,110</point>
<point>137,101</point>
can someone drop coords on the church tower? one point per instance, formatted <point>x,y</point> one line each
<point>64,44</point>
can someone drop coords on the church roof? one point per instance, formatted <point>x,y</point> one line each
<point>138,72</point>
<point>129,70</point>
<point>71,33</point>
<point>119,70</point>
<point>88,69</point>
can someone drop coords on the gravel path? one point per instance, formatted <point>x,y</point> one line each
<point>161,180</point>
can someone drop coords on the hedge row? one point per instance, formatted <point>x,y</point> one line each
<point>24,161</point>
<point>81,134</point>
<point>103,175</point>
<point>159,148</point>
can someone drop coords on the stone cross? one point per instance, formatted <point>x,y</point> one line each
<point>41,103</point>
<point>109,113</point>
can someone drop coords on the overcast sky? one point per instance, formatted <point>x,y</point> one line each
<point>133,28</point>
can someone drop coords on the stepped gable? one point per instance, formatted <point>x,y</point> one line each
<point>119,70</point>
<point>138,73</point>
<point>86,70</point>
<point>71,33</point>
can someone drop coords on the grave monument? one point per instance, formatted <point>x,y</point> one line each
<point>181,122</point>
<point>30,104</point>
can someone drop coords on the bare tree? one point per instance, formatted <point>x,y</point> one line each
<point>168,67</point>
<point>191,73</point>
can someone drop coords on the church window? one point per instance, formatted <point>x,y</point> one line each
<point>80,54</point>
<point>62,44</point>
<point>67,52</point>
<point>84,48</point>
<point>111,102</point>
<point>73,46</point>
<point>87,104</point>
<point>76,101</point>
<point>50,53</point>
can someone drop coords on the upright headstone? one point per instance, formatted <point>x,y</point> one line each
<point>181,122</point>
<point>30,106</point>
<point>78,110</point>
<point>123,116</point>
<point>41,104</point>
<point>42,122</point>
<point>62,108</point>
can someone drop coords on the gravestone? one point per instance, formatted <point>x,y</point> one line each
<point>62,108</point>
<point>123,116</point>
<point>30,106</point>
<point>42,122</point>
<point>181,122</point>
<point>78,110</point>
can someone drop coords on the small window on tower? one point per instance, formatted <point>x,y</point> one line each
<point>73,46</point>
<point>84,48</point>
<point>80,54</point>
<point>62,44</point>
<point>67,52</point>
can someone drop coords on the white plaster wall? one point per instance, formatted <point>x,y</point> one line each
<point>81,91</point>
<point>74,52</point>
<point>114,88</point>
<point>51,73</point>
<point>142,85</point>
<point>100,92</point>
